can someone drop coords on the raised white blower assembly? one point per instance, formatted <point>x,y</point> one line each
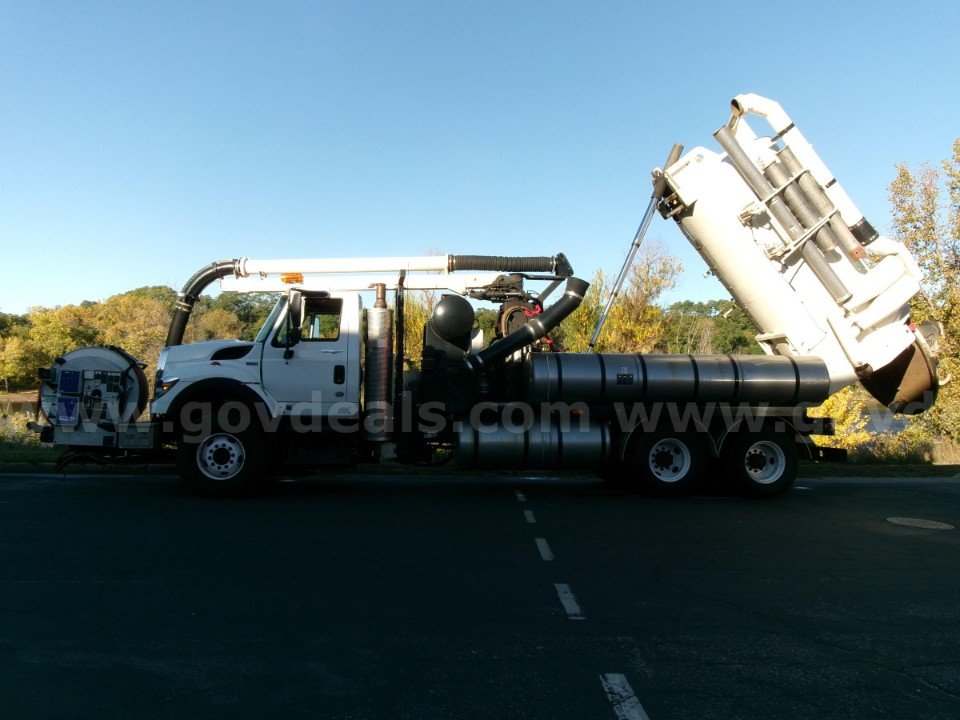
<point>784,238</point>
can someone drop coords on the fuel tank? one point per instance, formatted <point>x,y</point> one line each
<point>536,444</point>
<point>628,378</point>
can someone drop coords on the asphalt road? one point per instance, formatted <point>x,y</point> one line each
<point>476,597</point>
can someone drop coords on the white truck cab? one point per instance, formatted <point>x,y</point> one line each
<point>314,370</point>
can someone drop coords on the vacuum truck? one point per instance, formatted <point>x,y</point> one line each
<point>325,383</point>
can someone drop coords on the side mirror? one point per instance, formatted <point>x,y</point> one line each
<point>294,316</point>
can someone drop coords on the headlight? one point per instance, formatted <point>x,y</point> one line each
<point>163,386</point>
<point>161,363</point>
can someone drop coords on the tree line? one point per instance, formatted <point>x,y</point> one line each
<point>137,321</point>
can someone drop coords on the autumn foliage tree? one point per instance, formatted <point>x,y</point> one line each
<point>635,323</point>
<point>929,224</point>
<point>713,326</point>
<point>137,321</point>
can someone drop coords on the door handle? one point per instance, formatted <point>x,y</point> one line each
<point>339,374</point>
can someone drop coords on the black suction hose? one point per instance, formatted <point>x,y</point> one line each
<point>556,265</point>
<point>534,329</point>
<point>191,291</point>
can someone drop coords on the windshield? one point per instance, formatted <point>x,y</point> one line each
<point>271,320</point>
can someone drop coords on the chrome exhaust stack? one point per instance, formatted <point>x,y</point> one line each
<point>378,366</point>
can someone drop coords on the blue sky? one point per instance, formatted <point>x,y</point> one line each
<point>139,141</point>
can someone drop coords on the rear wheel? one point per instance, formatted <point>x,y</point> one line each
<point>761,464</point>
<point>221,462</point>
<point>664,463</point>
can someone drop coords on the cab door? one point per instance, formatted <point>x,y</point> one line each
<point>317,374</point>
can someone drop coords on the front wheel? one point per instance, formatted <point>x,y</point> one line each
<point>222,463</point>
<point>761,464</point>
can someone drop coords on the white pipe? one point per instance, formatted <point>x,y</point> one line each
<point>884,246</point>
<point>877,281</point>
<point>764,107</point>
<point>460,284</point>
<point>889,304</point>
<point>313,266</point>
<point>802,149</point>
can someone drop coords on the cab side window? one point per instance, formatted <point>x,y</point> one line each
<point>321,321</point>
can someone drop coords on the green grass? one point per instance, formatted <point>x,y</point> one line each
<point>30,454</point>
<point>890,470</point>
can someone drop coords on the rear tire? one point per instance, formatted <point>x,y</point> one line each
<point>761,464</point>
<point>223,463</point>
<point>664,463</point>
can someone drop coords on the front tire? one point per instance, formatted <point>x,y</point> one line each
<point>222,463</point>
<point>761,464</point>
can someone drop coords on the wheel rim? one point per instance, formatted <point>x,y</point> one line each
<point>765,462</point>
<point>669,460</point>
<point>220,456</point>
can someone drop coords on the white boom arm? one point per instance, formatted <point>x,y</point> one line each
<point>460,284</point>
<point>248,267</point>
<point>424,272</point>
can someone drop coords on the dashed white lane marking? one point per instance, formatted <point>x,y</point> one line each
<point>621,695</point>
<point>920,523</point>
<point>528,514</point>
<point>545,552</point>
<point>800,487</point>
<point>568,601</point>
<point>520,496</point>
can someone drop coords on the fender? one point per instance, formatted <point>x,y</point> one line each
<point>219,388</point>
<point>629,435</point>
<point>800,438</point>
